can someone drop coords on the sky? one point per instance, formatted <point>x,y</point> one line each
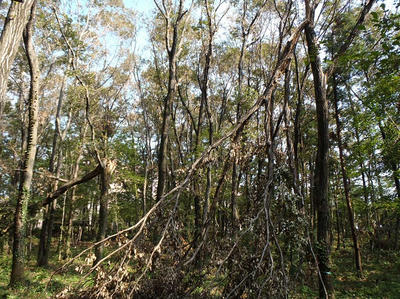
<point>143,6</point>
<point>146,7</point>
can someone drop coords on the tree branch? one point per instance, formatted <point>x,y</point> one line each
<point>50,197</point>
<point>356,28</point>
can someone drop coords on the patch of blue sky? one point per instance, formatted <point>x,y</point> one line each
<point>143,6</point>
<point>144,10</point>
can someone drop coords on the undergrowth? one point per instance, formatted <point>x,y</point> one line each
<point>381,277</point>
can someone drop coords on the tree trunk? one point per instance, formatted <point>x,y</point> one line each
<point>64,188</point>
<point>105,179</point>
<point>321,179</point>
<point>397,184</point>
<point>71,202</point>
<point>50,222</point>
<point>48,217</point>
<point>396,180</point>
<point>11,35</point>
<point>61,237</point>
<point>203,83</point>
<point>346,185</point>
<point>17,271</point>
<point>162,152</point>
<point>337,221</point>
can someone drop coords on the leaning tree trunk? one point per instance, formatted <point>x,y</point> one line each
<point>17,271</point>
<point>321,179</point>
<point>11,35</point>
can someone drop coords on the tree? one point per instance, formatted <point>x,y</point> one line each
<point>11,35</point>
<point>175,23</point>
<point>321,179</point>
<point>204,163</point>
<point>320,188</point>
<point>24,193</point>
<point>346,184</point>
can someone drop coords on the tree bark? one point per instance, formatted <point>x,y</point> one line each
<point>172,45</point>
<point>11,35</point>
<point>105,179</point>
<point>337,220</point>
<point>70,203</point>
<point>321,179</point>
<point>392,165</point>
<point>203,83</point>
<point>50,197</point>
<point>346,185</point>
<point>24,194</point>
<point>48,216</point>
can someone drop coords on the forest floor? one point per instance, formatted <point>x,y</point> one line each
<point>381,271</point>
<point>37,278</point>
<point>381,277</point>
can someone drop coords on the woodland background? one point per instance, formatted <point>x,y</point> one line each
<point>212,148</point>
